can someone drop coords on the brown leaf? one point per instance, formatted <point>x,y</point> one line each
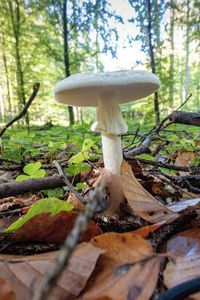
<point>53,228</point>
<point>78,205</point>
<point>26,273</point>
<point>127,270</point>
<point>141,201</point>
<point>146,230</point>
<point>185,252</point>
<point>182,205</point>
<point>184,159</point>
<point>18,201</point>
<point>6,293</point>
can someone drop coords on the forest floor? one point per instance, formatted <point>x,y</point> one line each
<point>151,250</point>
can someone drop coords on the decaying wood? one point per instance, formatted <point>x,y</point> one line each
<point>30,185</point>
<point>182,117</point>
<point>24,110</point>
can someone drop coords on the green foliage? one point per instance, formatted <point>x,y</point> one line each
<point>81,186</point>
<point>77,168</point>
<point>57,192</point>
<point>32,170</point>
<point>51,205</point>
<point>88,144</point>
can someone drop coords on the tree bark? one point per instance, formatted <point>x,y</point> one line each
<point>15,20</point>
<point>187,49</point>
<point>6,72</point>
<point>66,55</point>
<point>182,117</point>
<point>171,57</point>
<point>30,185</point>
<point>152,59</point>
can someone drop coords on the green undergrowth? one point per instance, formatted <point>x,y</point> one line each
<point>78,144</point>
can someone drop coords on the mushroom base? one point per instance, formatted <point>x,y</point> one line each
<point>112,154</point>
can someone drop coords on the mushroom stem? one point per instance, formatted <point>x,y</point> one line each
<point>112,154</point>
<point>111,124</point>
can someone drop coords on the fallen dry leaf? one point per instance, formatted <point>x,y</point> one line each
<point>141,201</point>
<point>53,228</point>
<point>185,252</point>
<point>78,205</point>
<point>184,159</point>
<point>127,270</point>
<point>18,201</point>
<point>184,204</point>
<point>6,292</point>
<point>146,230</point>
<point>25,274</point>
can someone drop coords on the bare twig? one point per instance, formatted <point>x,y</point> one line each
<point>70,244</point>
<point>24,110</point>
<point>167,166</point>
<point>65,179</point>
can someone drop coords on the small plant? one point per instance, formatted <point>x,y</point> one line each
<point>32,170</point>
<point>50,205</point>
<point>84,154</point>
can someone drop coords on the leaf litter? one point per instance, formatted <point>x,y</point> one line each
<point>110,266</point>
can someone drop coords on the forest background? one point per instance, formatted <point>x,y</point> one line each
<point>46,41</point>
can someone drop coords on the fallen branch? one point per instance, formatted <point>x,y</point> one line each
<point>175,117</point>
<point>24,110</point>
<point>70,244</point>
<point>182,117</point>
<point>30,185</point>
<point>191,169</point>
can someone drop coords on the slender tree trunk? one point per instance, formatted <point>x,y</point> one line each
<point>15,18</point>
<point>171,57</point>
<point>66,55</point>
<point>187,75</point>
<point>96,19</point>
<point>6,72</point>
<point>158,57</point>
<point>1,104</point>
<point>152,59</point>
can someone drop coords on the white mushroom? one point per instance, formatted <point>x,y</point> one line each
<point>106,91</point>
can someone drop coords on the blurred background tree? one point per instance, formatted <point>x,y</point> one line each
<point>46,41</point>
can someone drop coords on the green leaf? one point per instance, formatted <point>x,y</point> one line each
<point>87,145</point>
<point>78,168</point>
<point>58,192</point>
<point>22,177</point>
<point>47,205</point>
<point>32,168</point>
<point>77,158</point>
<point>81,185</point>
<point>39,174</point>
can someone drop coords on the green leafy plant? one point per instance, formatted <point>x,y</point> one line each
<point>57,192</point>
<point>32,170</point>
<point>51,205</point>
<point>84,154</point>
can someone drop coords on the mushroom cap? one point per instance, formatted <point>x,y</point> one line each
<point>85,89</point>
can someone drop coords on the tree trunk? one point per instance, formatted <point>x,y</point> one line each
<point>171,57</point>
<point>187,51</point>
<point>15,18</point>
<point>152,59</point>
<point>66,55</point>
<point>4,57</point>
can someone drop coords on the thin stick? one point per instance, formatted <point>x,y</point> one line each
<point>65,179</point>
<point>24,110</point>
<point>70,244</point>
